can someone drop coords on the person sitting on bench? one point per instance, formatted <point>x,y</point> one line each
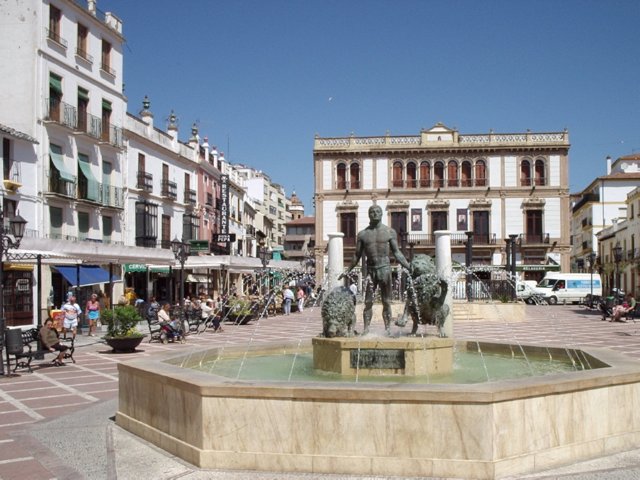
<point>51,342</point>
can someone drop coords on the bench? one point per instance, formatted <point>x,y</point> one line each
<point>30,350</point>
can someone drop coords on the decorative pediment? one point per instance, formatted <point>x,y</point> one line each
<point>397,205</point>
<point>480,204</point>
<point>438,204</point>
<point>347,206</point>
<point>533,203</point>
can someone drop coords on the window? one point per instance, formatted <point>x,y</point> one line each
<point>533,225</point>
<point>348,228</point>
<point>106,57</point>
<point>539,176</point>
<point>525,173</point>
<point>55,16</point>
<point>465,175</point>
<point>439,220</point>
<point>438,175</point>
<point>481,227</point>
<point>82,48</point>
<point>412,175</point>
<point>106,119</point>
<point>6,159</point>
<point>107,229</point>
<point>146,224</point>
<point>83,225</point>
<point>165,240</point>
<point>55,222</point>
<point>354,172</point>
<point>190,226</point>
<point>83,109</point>
<point>399,223</point>
<point>425,174</point>
<point>341,175</point>
<point>452,174</point>
<point>55,97</point>
<point>481,174</point>
<point>397,174</point>
<point>209,199</point>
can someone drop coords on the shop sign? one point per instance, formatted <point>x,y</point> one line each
<point>135,267</point>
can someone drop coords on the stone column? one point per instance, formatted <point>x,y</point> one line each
<point>443,267</point>
<point>336,260</point>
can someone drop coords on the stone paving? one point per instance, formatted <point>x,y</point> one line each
<point>56,422</point>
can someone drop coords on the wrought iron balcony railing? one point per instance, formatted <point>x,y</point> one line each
<point>169,189</point>
<point>145,181</point>
<point>61,112</point>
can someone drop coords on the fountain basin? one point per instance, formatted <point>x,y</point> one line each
<point>485,430</point>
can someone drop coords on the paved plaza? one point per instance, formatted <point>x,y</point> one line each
<point>57,422</point>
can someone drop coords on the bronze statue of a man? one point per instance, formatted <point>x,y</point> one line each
<point>375,242</point>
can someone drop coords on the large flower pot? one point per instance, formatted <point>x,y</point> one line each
<point>125,344</point>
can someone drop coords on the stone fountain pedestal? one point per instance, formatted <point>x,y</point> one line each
<point>413,356</point>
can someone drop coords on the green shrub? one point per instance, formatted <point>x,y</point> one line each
<point>122,321</point>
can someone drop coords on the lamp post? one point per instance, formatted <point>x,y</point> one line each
<point>264,258</point>
<point>223,279</point>
<point>181,251</point>
<point>592,260</point>
<point>513,238</point>
<point>617,258</point>
<point>9,238</point>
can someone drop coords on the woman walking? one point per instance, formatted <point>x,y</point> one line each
<point>93,313</point>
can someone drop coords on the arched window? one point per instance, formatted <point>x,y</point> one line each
<point>452,174</point>
<point>425,174</point>
<point>539,176</point>
<point>397,174</point>
<point>438,175</point>
<point>411,175</point>
<point>481,174</point>
<point>525,173</point>
<point>465,175</point>
<point>354,173</point>
<point>341,176</point>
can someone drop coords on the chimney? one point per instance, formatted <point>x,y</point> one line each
<point>172,128</point>
<point>608,164</point>
<point>145,113</point>
<point>205,147</point>
<point>91,6</point>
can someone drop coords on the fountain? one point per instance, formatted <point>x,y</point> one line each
<point>384,425</point>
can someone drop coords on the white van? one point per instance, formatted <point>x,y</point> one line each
<point>568,287</point>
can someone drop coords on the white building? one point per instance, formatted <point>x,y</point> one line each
<point>494,185</point>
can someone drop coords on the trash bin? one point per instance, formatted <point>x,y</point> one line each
<point>13,341</point>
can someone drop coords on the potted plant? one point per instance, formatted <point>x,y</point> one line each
<point>241,311</point>
<point>122,334</point>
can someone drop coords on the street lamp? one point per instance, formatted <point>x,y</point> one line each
<point>617,257</point>
<point>9,238</point>
<point>264,257</point>
<point>223,279</point>
<point>592,260</point>
<point>181,251</point>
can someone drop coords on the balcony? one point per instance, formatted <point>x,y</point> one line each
<point>534,238</point>
<point>110,196</point>
<point>107,69</point>
<point>429,239</point>
<point>190,197</point>
<point>144,181</point>
<point>60,112</point>
<point>84,55</point>
<point>58,186</point>
<point>150,242</point>
<point>55,36</point>
<point>169,189</point>
<point>112,135</point>
<point>484,239</point>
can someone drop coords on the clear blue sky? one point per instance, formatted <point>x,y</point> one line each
<point>261,78</point>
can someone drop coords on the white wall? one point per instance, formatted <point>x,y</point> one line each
<point>495,175</point>
<point>367,174</point>
<point>510,169</point>
<point>327,175</point>
<point>496,218</point>
<point>513,216</point>
<point>382,173</point>
<point>552,217</point>
<point>554,171</point>
<point>329,219</point>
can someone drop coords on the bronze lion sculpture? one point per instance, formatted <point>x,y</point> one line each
<point>426,294</point>
<point>338,313</point>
